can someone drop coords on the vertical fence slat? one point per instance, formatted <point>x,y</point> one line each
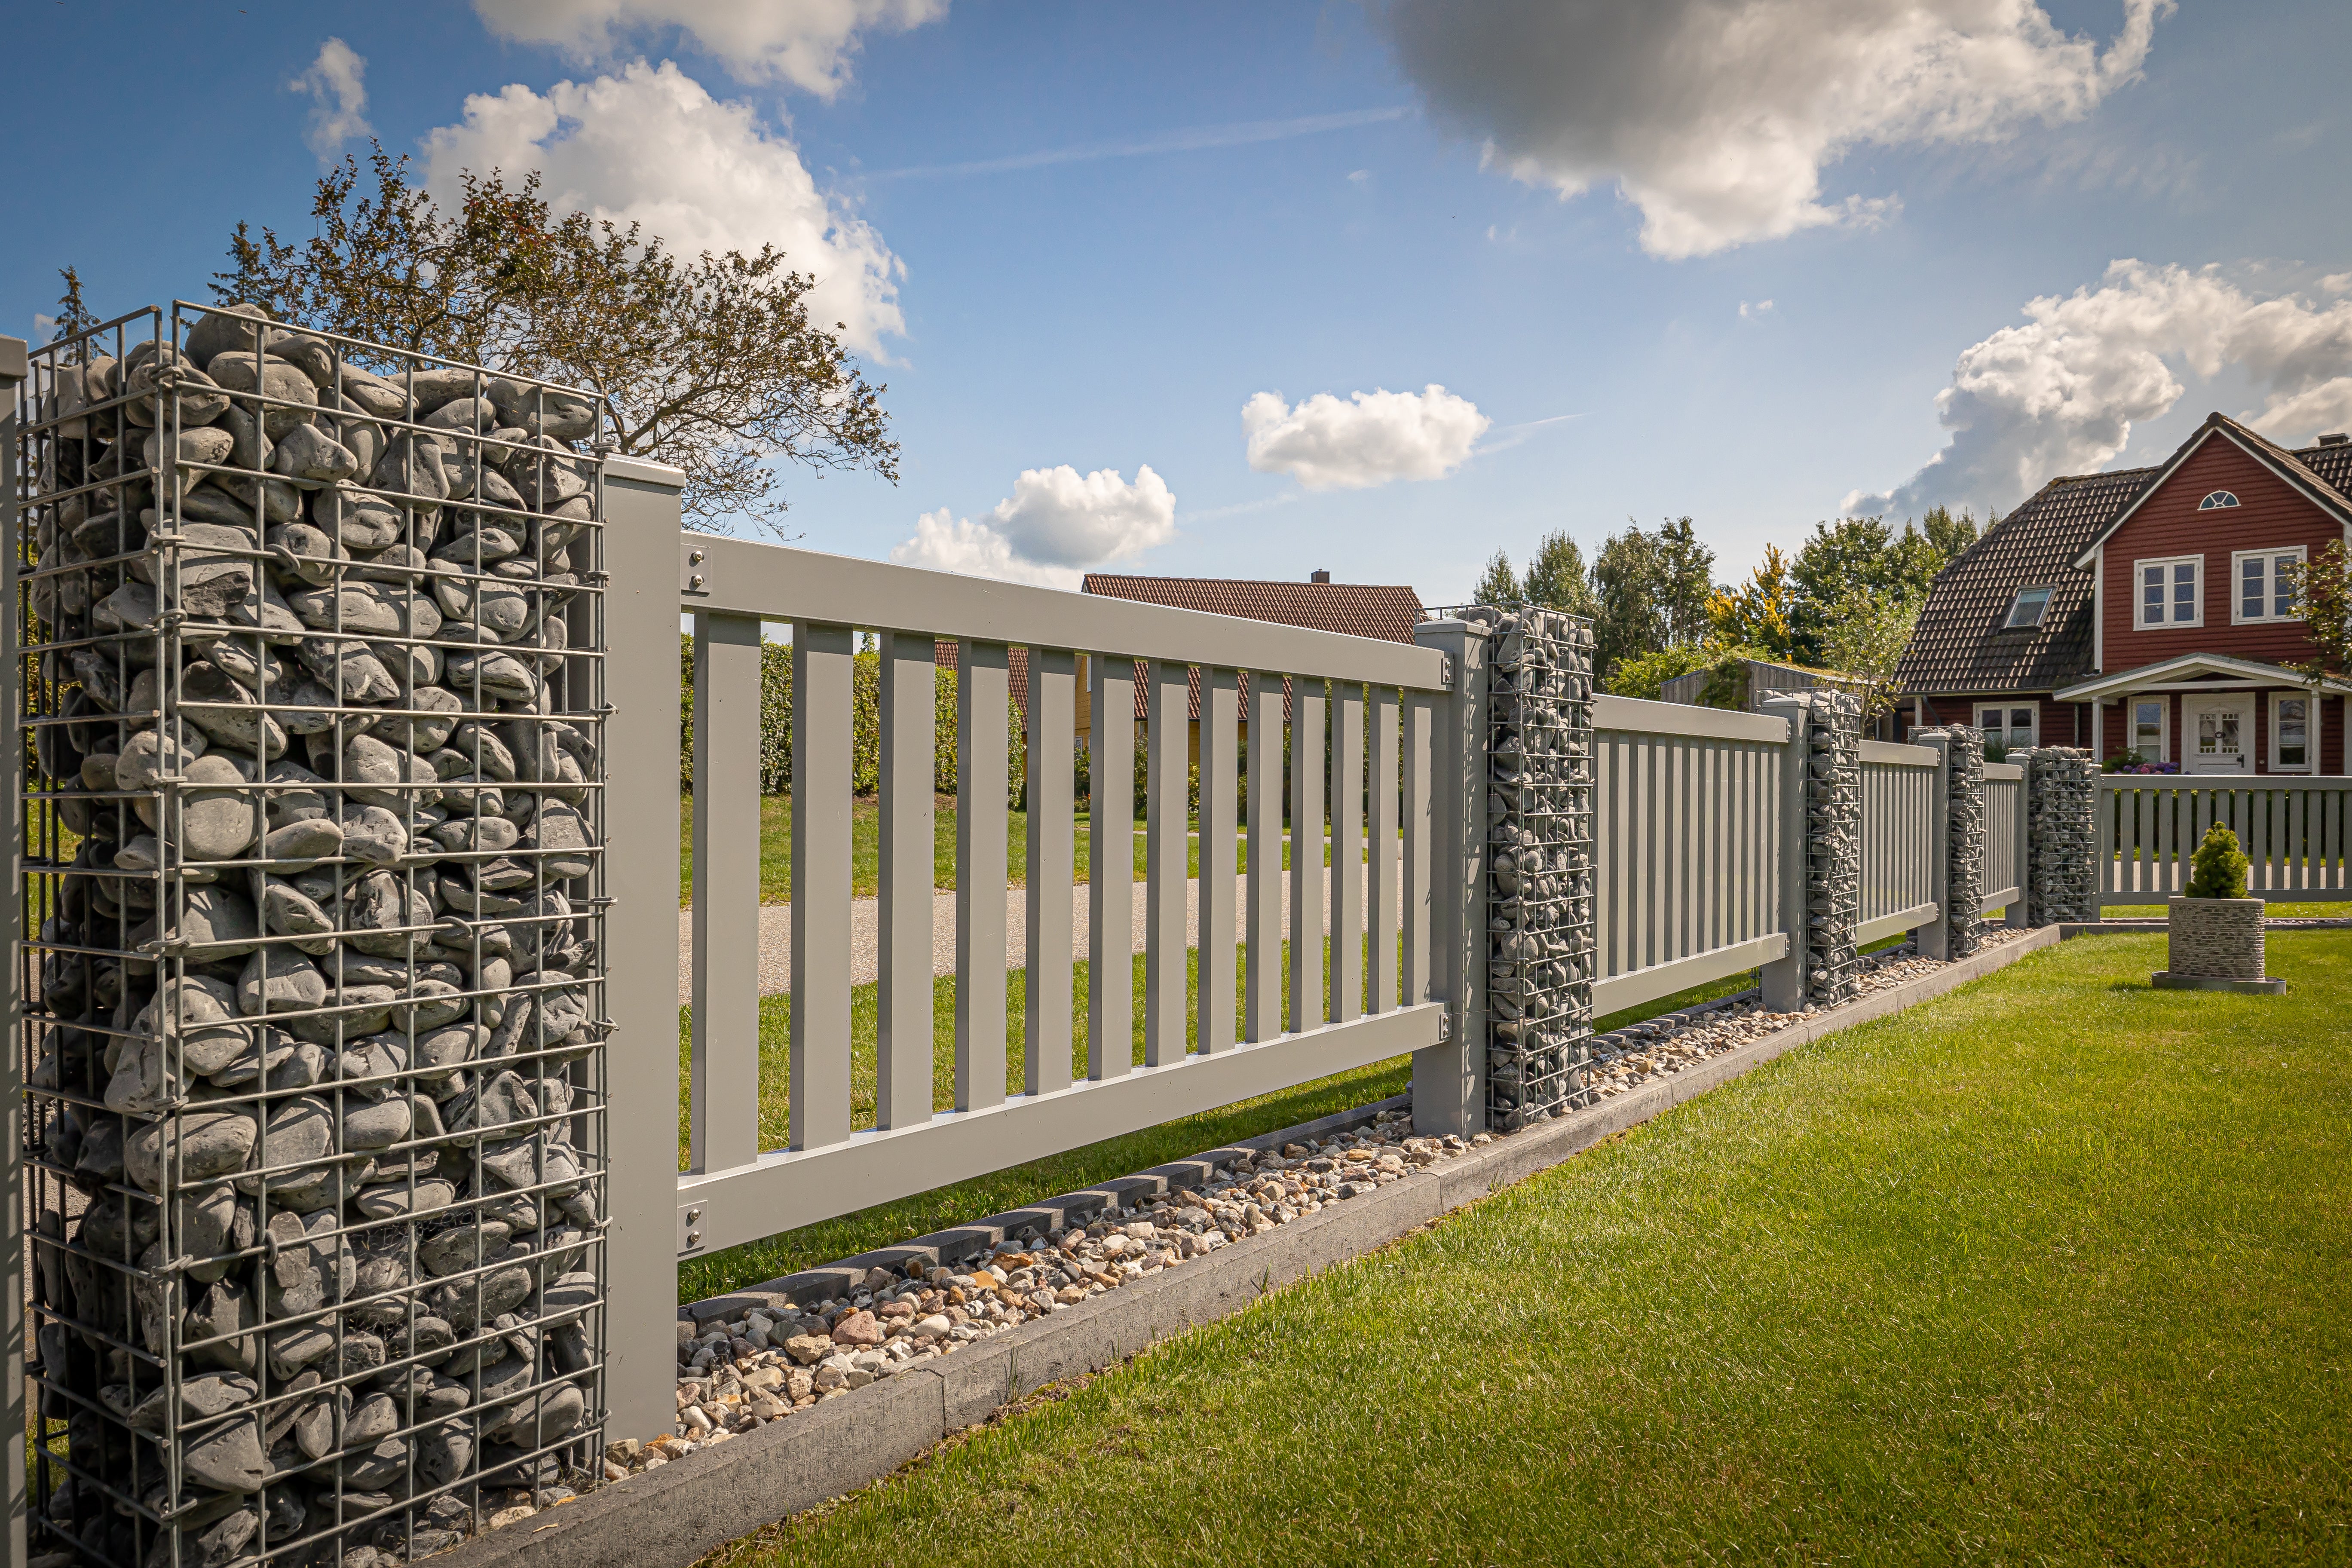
<point>1419,914</point>
<point>983,687</point>
<point>821,767</point>
<point>910,705</point>
<point>1346,853</point>
<point>1381,872</point>
<point>724,1122</point>
<point>1052,870</point>
<point>1307,738</point>
<point>1264,893</point>
<point>1220,729</point>
<point>1110,889</point>
<point>1165,826</point>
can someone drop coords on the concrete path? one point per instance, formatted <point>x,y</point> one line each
<point>776,932</point>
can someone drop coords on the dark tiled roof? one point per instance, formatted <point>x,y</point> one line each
<point>1358,609</point>
<point>1960,644</point>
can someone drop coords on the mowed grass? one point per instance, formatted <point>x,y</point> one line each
<point>993,1194</point>
<point>2054,1268</point>
<point>865,848</point>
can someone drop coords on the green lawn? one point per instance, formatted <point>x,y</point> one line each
<point>2053,1269</point>
<point>865,848</point>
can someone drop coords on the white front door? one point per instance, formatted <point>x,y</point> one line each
<point>2220,734</point>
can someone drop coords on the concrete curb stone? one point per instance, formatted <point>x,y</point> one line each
<point>677,1513</point>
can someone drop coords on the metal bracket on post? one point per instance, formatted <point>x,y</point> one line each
<point>1448,1078</point>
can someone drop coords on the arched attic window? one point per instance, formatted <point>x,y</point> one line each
<point>2218,498</point>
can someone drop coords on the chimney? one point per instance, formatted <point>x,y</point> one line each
<point>2336,439</point>
<point>1326,576</point>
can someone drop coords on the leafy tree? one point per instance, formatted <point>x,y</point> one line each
<point>708,362</point>
<point>1866,637</point>
<point>2322,594</point>
<point>1862,554</point>
<point>1501,585</point>
<point>1556,578</point>
<point>1650,592</point>
<point>1756,614</point>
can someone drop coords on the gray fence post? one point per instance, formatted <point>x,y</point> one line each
<point>13,372</point>
<point>1934,938</point>
<point>2021,831</point>
<point>1448,1088</point>
<point>641,608</point>
<point>1783,979</point>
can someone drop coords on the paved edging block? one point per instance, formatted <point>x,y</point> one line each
<point>674,1515</point>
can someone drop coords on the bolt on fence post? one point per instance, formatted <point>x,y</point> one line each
<point>1448,1086</point>
<point>643,522</point>
<point>13,372</point>
<point>1784,979</point>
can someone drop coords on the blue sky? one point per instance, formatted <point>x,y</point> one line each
<point>1088,235</point>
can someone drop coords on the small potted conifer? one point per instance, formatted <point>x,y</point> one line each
<point>2214,932</point>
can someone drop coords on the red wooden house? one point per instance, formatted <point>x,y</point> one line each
<point>2147,611</point>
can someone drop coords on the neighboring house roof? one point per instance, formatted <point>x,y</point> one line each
<point>1357,609</point>
<point>1388,612</point>
<point>2288,465</point>
<point>1960,644</point>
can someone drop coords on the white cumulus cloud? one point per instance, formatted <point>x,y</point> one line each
<point>1717,117</point>
<point>2060,394</point>
<point>1332,444</point>
<point>1051,530</point>
<point>806,43</point>
<point>650,145</point>
<point>337,84</point>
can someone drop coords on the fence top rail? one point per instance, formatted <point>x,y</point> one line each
<point>773,581</point>
<point>2013,773</point>
<point>1639,716</point>
<point>2223,783</point>
<point>1895,754</point>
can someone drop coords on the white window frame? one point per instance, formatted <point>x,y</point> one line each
<point>2163,724</point>
<point>2140,592</point>
<point>2310,732</point>
<point>2216,499</point>
<point>2238,559</point>
<point>2008,732</point>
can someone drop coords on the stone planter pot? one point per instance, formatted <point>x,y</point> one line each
<point>2215,944</point>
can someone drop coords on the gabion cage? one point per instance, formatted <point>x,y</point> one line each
<point>1539,876</point>
<point>308,632</point>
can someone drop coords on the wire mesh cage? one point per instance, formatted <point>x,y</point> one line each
<point>1538,903</point>
<point>308,636</point>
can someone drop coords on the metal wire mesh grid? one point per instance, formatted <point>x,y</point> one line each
<point>309,636</point>
<point>1539,902</point>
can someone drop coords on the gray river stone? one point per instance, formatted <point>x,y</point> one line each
<point>274,379</point>
<point>305,843</point>
<point>312,458</point>
<point>230,1460</point>
<point>286,980</point>
<point>208,1142</point>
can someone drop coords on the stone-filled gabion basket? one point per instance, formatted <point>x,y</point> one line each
<point>308,631</point>
<point>1964,823</point>
<point>2061,800</point>
<point>1831,724</point>
<point>1539,876</point>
